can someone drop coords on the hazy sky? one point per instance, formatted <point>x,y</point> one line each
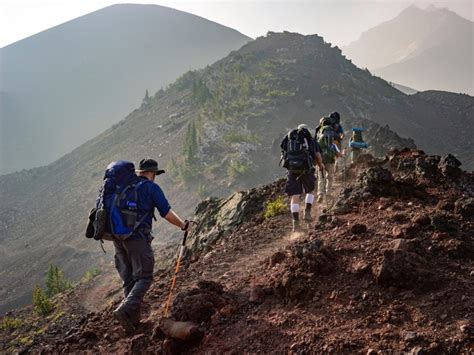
<point>339,21</point>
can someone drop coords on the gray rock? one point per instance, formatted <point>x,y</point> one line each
<point>409,336</point>
<point>465,207</point>
<point>449,165</point>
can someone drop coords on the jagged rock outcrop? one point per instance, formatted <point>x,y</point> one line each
<point>220,217</point>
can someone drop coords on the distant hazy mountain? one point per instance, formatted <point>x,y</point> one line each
<point>426,49</point>
<point>65,85</point>
<point>405,89</point>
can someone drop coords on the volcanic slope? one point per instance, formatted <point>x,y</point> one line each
<point>388,268</point>
<point>215,131</point>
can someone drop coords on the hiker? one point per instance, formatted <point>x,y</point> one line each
<point>338,129</point>
<point>338,135</point>
<point>356,143</point>
<point>326,138</point>
<point>300,153</point>
<point>134,259</point>
<point>336,124</point>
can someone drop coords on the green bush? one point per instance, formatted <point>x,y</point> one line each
<point>275,208</point>
<point>42,304</point>
<point>201,92</point>
<point>9,323</point>
<point>56,282</point>
<point>238,168</point>
<point>202,191</point>
<point>238,137</point>
<point>90,274</point>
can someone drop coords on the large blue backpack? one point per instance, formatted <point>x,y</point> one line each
<point>117,203</point>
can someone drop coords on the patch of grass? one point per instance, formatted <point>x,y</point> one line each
<point>26,341</point>
<point>275,208</point>
<point>10,323</point>
<point>202,191</point>
<point>238,137</point>
<point>58,316</point>
<point>90,274</point>
<point>279,93</point>
<point>39,331</point>
<point>238,168</point>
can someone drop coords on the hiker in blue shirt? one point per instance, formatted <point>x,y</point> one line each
<point>134,259</point>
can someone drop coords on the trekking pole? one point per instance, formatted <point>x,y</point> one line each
<point>344,178</point>
<point>178,264</point>
<point>323,175</point>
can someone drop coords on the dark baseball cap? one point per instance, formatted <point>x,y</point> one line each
<point>149,165</point>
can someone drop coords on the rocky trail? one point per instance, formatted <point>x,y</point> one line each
<point>388,269</point>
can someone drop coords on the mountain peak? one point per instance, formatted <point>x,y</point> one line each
<point>430,10</point>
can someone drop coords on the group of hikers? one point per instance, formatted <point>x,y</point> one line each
<point>301,153</point>
<point>124,210</point>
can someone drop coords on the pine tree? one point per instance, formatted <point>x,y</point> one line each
<point>146,100</point>
<point>56,281</point>
<point>191,147</point>
<point>42,305</point>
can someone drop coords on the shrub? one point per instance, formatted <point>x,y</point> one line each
<point>42,304</point>
<point>238,137</point>
<point>9,323</point>
<point>275,208</point>
<point>238,168</point>
<point>56,282</point>
<point>202,191</point>
<point>90,274</point>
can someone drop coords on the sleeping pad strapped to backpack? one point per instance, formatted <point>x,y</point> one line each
<point>117,205</point>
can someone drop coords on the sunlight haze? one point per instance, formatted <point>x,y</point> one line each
<point>334,20</point>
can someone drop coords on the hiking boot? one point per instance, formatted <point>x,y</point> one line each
<point>124,319</point>
<point>307,215</point>
<point>296,226</point>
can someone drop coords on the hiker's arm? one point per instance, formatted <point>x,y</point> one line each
<point>161,203</point>
<point>173,218</point>
<point>319,161</point>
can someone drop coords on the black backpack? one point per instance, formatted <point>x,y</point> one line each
<point>297,158</point>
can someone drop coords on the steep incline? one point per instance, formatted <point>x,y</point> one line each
<point>389,268</point>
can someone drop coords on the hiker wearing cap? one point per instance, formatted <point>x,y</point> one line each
<point>327,139</point>
<point>134,259</point>
<point>300,153</point>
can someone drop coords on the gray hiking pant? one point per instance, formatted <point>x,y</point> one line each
<point>134,261</point>
<point>325,181</point>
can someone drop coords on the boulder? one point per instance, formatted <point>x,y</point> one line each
<point>404,269</point>
<point>449,165</point>
<point>465,207</point>
<point>358,228</point>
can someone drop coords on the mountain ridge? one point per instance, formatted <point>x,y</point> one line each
<point>239,108</point>
<point>412,43</point>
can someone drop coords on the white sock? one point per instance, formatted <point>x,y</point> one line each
<point>309,198</point>
<point>295,207</point>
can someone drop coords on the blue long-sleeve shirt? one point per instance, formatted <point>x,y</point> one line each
<point>151,196</point>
